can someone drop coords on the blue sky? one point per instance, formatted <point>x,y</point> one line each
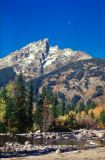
<point>76,24</point>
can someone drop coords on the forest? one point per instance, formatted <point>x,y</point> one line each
<point>22,112</point>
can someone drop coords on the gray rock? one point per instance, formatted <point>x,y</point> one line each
<point>58,151</point>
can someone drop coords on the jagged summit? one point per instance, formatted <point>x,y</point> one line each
<point>39,57</point>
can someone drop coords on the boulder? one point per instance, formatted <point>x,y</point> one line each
<point>27,143</point>
<point>101,135</point>
<point>58,151</point>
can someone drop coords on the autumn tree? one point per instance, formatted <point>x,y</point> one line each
<point>71,121</point>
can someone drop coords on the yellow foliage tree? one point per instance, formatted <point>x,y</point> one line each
<point>98,110</point>
<point>2,109</point>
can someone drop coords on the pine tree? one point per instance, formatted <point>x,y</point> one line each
<point>9,119</point>
<point>92,115</point>
<point>54,109</point>
<point>43,111</point>
<point>82,107</point>
<point>39,113</point>
<point>20,104</point>
<point>102,117</point>
<point>30,105</point>
<point>63,108</point>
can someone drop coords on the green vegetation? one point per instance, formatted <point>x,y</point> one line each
<point>102,117</point>
<point>16,106</point>
<point>20,113</point>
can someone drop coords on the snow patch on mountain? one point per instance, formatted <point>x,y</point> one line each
<point>39,58</point>
<point>69,52</point>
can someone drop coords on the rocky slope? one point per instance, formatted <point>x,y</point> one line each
<point>73,75</point>
<point>77,81</point>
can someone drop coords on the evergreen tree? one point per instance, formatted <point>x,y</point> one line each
<point>20,104</point>
<point>63,107</point>
<point>39,113</point>
<point>9,119</point>
<point>30,105</point>
<point>81,107</point>
<point>43,111</point>
<point>102,117</point>
<point>92,115</point>
<point>54,109</point>
<point>50,95</point>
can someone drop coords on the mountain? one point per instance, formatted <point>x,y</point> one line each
<point>39,58</point>
<point>73,75</point>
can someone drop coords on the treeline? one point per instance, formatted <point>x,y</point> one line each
<point>19,112</point>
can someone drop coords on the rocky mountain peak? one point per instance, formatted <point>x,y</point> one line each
<point>39,58</point>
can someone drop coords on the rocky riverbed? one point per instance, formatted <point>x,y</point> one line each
<point>90,154</point>
<point>52,142</point>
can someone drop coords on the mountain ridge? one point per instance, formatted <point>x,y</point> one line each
<point>74,76</point>
<point>43,55</point>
